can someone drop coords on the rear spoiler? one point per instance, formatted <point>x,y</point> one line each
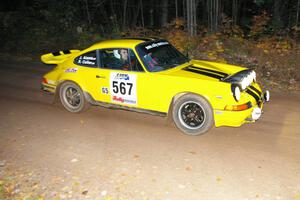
<point>57,57</point>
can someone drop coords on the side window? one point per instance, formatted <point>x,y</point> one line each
<point>135,64</point>
<point>88,59</point>
<point>119,59</point>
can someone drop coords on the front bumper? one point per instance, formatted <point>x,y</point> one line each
<point>238,118</point>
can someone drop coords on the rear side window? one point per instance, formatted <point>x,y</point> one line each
<point>88,59</point>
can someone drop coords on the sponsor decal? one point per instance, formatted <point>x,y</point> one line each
<point>122,100</point>
<point>128,101</point>
<point>120,76</point>
<point>153,45</point>
<point>119,99</point>
<point>104,90</point>
<point>71,70</point>
<point>123,88</point>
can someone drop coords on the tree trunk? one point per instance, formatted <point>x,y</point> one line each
<point>151,13</point>
<point>184,9</point>
<point>135,15</point>
<point>176,9</point>
<point>297,14</point>
<point>164,12</point>
<point>213,12</point>
<point>235,11</point>
<point>124,15</point>
<point>88,12</point>
<point>191,17</point>
<point>277,14</point>
<point>142,14</point>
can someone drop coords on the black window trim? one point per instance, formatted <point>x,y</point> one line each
<point>82,65</point>
<point>114,48</point>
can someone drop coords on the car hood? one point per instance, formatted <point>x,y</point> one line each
<point>204,70</point>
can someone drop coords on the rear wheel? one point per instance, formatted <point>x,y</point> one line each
<point>193,114</point>
<point>72,97</point>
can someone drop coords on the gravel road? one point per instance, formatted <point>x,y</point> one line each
<point>49,153</point>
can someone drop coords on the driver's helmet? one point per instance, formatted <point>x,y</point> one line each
<point>117,54</point>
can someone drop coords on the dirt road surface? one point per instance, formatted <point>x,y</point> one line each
<point>49,153</point>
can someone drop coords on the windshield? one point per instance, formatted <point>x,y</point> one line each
<point>160,55</point>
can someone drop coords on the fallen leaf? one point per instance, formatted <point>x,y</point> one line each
<point>85,192</point>
<point>188,168</point>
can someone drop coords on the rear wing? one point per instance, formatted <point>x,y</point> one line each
<point>57,57</point>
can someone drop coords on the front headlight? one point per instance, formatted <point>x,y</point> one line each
<point>236,92</point>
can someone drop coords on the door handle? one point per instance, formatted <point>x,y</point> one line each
<point>98,76</point>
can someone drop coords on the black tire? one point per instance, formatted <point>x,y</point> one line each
<point>72,97</point>
<point>193,114</point>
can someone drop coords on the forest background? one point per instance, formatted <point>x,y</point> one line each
<point>259,34</point>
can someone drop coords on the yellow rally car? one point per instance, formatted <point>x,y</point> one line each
<point>149,75</point>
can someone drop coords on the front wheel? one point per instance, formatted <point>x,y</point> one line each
<point>72,97</point>
<point>193,114</point>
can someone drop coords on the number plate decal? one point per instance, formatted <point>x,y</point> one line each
<point>123,88</point>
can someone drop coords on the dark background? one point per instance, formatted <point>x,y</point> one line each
<point>32,25</point>
<point>259,34</point>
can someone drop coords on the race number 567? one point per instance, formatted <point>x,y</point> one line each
<point>122,87</point>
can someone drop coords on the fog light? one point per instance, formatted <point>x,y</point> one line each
<point>256,113</point>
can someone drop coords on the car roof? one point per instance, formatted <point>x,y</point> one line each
<point>123,42</point>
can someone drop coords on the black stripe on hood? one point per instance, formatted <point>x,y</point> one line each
<point>255,96</point>
<point>205,73</point>
<point>256,90</point>
<point>210,70</point>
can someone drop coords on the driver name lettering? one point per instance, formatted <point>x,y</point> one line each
<point>89,58</point>
<point>156,45</point>
<point>87,62</point>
